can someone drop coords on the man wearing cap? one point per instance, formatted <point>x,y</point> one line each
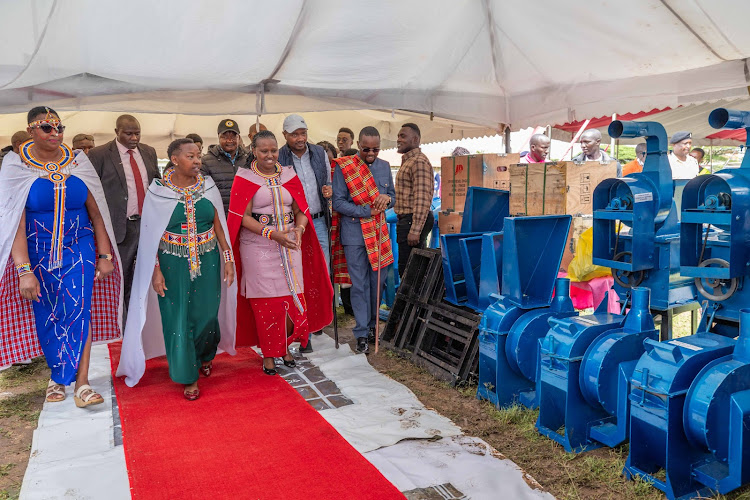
<point>126,168</point>
<point>310,162</point>
<point>591,150</point>
<point>683,165</point>
<point>222,160</point>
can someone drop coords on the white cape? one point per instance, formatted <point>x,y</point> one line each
<point>15,183</point>
<point>143,337</point>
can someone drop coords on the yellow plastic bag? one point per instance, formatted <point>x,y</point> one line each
<point>582,267</point>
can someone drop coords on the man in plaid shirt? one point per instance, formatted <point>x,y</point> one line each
<point>414,188</point>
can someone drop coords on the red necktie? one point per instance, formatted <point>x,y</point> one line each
<point>138,181</point>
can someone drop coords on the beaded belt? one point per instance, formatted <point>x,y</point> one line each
<point>177,244</point>
<point>270,219</point>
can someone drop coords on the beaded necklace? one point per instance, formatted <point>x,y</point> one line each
<point>189,196</point>
<point>273,181</point>
<point>54,174</point>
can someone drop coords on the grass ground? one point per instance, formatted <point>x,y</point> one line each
<point>594,475</point>
<point>21,399</point>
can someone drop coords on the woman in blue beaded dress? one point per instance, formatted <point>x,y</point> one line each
<point>57,222</point>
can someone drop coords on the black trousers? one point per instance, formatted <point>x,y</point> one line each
<point>128,249</point>
<point>403,226</point>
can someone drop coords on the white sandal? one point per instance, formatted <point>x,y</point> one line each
<point>54,389</point>
<point>91,397</point>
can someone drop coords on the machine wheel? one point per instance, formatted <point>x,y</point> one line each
<point>716,289</point>
<point>626,279</point>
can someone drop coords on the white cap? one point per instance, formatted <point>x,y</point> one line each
<point>294,122</point>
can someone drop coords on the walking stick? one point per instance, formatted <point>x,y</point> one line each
<point>335,316</point>
<point>377,299</point>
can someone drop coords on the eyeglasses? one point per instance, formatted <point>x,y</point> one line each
<point>367,150</point>
<point>47,129</point>
<point>642,154</point>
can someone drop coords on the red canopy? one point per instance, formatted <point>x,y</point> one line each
<point>604,121</point>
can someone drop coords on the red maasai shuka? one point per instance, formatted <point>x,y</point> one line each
<point>318,290</point>
<point>363,191</point>
<point>18,339</point>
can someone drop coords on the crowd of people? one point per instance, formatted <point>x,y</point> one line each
<point>235,246</point>
<point>684,160</point>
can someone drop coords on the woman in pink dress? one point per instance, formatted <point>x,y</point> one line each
<point>280,300</point>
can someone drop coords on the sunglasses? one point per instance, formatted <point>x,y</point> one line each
<point>47,128</point>
<point>367,150</point>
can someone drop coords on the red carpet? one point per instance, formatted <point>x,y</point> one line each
<point>248,436</point>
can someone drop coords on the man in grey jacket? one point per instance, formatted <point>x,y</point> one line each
<point>591,151</point>
<point>222,160</point>
<point>310,162</point>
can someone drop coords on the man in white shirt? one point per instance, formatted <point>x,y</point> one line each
<point>683,165</point>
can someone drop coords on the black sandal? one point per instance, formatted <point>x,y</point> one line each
<point>269,371</point>
<point>291,363</point>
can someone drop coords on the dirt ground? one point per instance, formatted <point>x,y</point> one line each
<point>21,399</point>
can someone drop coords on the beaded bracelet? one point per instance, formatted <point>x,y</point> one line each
<point>266,232</point>
<point>23,269</point>
<point>228,257</point>
<point>157,263</point>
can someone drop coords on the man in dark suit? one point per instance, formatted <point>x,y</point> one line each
<point>126,168</point>
<point>355,219</point>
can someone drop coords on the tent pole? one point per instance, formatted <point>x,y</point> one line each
<point>506,135</point>
<point>712,156</point>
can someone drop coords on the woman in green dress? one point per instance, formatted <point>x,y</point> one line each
<point>193,266</point>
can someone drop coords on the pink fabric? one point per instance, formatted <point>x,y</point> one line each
<point>588,294</point>
<point>260,256</point>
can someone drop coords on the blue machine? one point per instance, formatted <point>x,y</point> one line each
<point>586,362</point>
<point>690,399</point>
<point>485,211</point>
<point>585,368</point>
<point>532,248</point>
<point>660,384</point>
<point>649,254</point>
<point>716,240</point>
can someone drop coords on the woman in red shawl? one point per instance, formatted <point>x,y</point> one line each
<point>284,290</point>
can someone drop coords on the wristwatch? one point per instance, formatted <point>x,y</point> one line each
<point>107,256</point>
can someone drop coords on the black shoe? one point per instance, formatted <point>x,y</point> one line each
<point>362,345</point>
<point>319,332</point>
<point>371,336</point>
<point>290,364</point>
<point>270,371</point>
<point>308,348</point>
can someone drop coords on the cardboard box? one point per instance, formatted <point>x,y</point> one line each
<point>556,188</point>
<point>458,173</point>
<point>450,222</point>
<point>578,225</point>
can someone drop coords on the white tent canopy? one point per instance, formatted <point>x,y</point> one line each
<point>159,129</point>
<point>478,61</point>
